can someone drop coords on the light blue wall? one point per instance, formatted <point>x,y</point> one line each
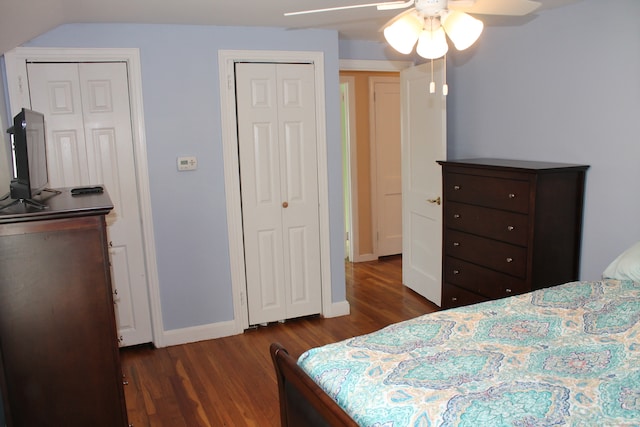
<point>368,50</point>
<point>564,87</point>
<point>182,117</point>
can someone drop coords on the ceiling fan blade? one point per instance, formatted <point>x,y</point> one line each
<point>380,5</point>
<point>398,17</point>
<point>552,4</point>
<point>495,7</point>
<point>395,5</point>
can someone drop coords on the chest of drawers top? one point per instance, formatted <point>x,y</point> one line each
<point>534,166</point>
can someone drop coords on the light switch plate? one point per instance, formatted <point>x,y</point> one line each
<point>189,163</point>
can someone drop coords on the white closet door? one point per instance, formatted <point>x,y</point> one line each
<point>276,134</point>
<point>299,178</point>
<point>89,142</point>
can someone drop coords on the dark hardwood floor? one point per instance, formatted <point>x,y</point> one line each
<point>231,382</point>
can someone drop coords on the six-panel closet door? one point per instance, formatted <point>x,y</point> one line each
<point>279,184</point>
<point>89,142</point>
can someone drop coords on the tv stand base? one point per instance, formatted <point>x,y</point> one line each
<point>28,202</point>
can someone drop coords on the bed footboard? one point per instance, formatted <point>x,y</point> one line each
<point>302,401</point>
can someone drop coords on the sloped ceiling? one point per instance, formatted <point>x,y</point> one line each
<point>22,20</point>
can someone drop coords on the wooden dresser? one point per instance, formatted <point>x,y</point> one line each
<point>59,352</point>
<point>510,227</point>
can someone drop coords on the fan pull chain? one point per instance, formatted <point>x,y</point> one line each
<point>432,85</point>
<point>445,86</point>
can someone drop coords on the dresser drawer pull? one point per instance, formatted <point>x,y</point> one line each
<point>456,216</point>
<point>509,259</point>
<point>508,290</point>
<point>510,228</point>
<point>456,187</point>
<point>456,243</point>
<point>454,299</point>
<point>512,196</point>
<point>456,271</point>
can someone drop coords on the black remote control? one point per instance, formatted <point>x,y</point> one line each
<point>86,190</point>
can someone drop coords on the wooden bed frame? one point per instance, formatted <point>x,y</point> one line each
<point>302,401</point>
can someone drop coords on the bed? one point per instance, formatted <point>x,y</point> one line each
<point>565,355</point>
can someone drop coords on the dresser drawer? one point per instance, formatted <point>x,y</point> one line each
<point>482,281</point>
<point>500,225</point>
<point>492,192</point>
<point>503,257</point>
<point>453,296</point>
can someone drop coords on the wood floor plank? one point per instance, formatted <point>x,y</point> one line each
<point>231,382</point>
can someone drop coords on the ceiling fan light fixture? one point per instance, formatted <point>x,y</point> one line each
<point>432,44</point>
<point>403,33</point>
<point>462,29</point>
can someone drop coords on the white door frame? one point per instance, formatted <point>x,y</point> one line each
<point>15,62</point>
<point>350,165</point>
<point>362,65</point>
<point>226,61</point>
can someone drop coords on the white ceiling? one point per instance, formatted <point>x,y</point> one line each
<point>22,20</point>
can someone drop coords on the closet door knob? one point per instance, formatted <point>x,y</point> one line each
<point>285,205</point>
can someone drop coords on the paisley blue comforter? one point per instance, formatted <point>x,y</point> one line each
<point>567,355</point>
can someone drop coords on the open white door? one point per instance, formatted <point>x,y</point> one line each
<point>424,141</point>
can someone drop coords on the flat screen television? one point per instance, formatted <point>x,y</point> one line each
<point>29,155</point>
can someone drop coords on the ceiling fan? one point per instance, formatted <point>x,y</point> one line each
<point>427,22</point>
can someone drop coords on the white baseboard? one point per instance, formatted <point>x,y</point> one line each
<point>197,333</point>
<point>226,329</point>
<point>338,309</point>
<point>365,257</point>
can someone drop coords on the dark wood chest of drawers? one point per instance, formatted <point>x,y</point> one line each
<point>510,227</point>
<point>59,355</point>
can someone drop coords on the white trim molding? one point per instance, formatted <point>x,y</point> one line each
<point>337,309</point>
<point>373,65</point>
<point>199,333</point>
